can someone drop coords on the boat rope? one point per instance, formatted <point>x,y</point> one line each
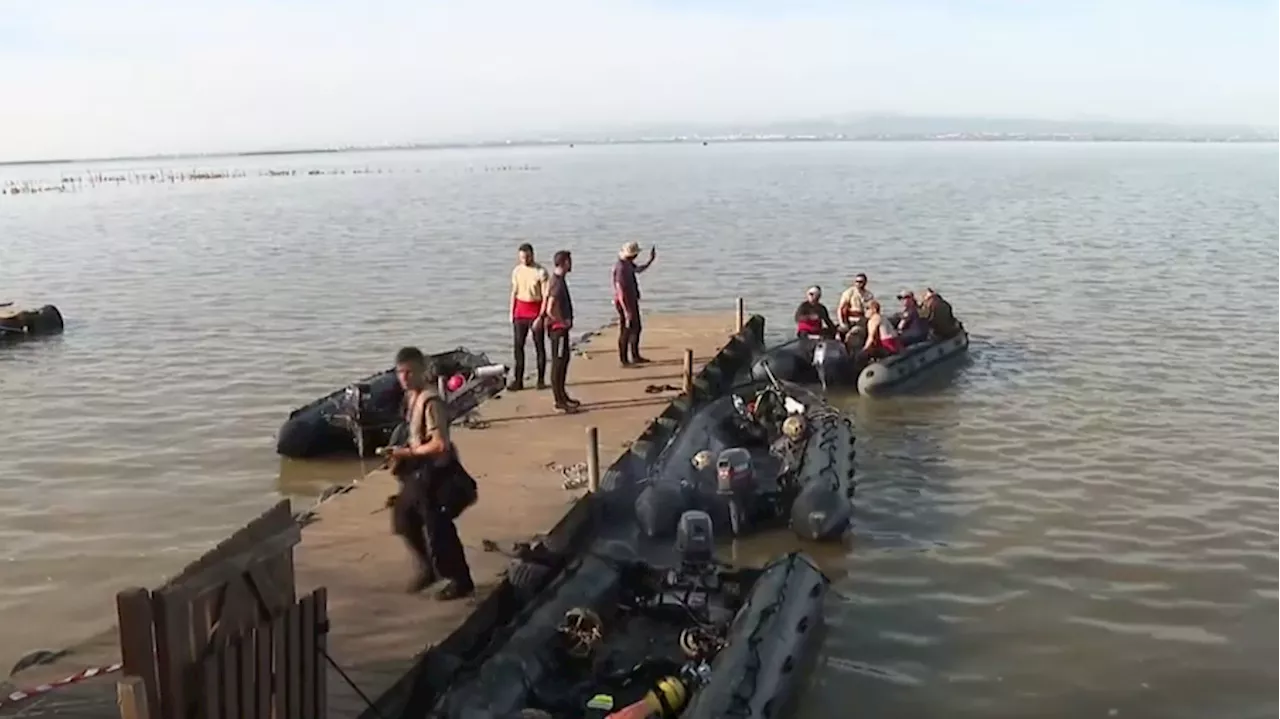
<point>368,702</point>
<point>23,695</point>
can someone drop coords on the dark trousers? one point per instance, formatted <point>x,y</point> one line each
<point>559,363</point>
<point>520,333</point>
<point>628,334</point>
<point>429,531</point>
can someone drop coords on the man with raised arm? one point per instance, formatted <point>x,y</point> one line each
<point>626,300</point>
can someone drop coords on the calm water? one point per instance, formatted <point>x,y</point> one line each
<point>1081,522</point>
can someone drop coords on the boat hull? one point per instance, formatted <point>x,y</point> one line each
<point>22,324</point>
<point>886,375</point>
<point>363,416</point>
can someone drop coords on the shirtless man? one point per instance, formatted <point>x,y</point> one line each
<point>528,299</point>
<point>882,337</point>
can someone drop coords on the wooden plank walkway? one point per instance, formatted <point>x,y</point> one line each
<point>377,630</point>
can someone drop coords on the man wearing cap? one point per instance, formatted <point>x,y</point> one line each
<point>911,328</point>
<point>853,302</point>
<point>812,317</point>
<point>528,298</point>
<point>626,300</point>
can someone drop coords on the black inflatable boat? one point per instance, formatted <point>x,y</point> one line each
<point>19,324</point>
<point>616,636</point>
<point>824,361</point>
<point>753,460</point>
<point>361,417</point>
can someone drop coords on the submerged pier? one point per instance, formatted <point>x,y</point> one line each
<point>520,454</point>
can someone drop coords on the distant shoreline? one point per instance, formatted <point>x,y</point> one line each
<point>679,140</point>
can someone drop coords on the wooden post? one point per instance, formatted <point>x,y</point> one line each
<point>131,698</point>
<point>742,314</point>
<point>136,621</point>
<point>688,372</point>
<point>593,459</point>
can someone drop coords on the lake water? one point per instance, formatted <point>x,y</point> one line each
<point>1081,522</point>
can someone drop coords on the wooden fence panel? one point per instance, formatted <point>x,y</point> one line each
<point>272,670</point>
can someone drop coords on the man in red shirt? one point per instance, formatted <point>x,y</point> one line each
<point>626,300</point>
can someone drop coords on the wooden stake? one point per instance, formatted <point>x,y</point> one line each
<point>593,459</point>
<point>688,372</point>
<point>131,698</point>
<point>742,314</point>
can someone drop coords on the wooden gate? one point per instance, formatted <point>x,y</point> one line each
<point>276,666</point>
<point>235,609</point>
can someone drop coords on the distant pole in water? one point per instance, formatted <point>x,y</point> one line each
<point>742,314</point>
<point>688,372</point>
<point>593,459</point>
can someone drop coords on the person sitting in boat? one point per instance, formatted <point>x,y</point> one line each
<point>812,317</point>
<point>937,313</point>
<point>910,326</point>
<point>853,303</point>
<point>882,337</point>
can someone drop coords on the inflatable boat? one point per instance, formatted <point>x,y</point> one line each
<point>883,376</point>
<point>362,416</point>
<point>616,636</point>
<point>815,360</point>
<point>751,459</point>
<point>17,323</point>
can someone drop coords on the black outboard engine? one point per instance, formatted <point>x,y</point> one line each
<point>736,485</point>
<point>695,539</point>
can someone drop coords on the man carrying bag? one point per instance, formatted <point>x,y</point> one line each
<point>434,487</point>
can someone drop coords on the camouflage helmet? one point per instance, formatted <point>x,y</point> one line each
<point>702,460</point>
<point>793,427</point>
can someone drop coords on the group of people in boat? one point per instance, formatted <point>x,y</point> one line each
<point>866,330</point>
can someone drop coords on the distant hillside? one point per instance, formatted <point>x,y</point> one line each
<point>909,127</point>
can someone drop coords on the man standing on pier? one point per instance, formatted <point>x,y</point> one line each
<point>528,297</point>
<point>559,324</point>
<point>434,488</point>
<point>626,300</point>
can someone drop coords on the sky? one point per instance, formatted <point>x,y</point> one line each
<point>94,78</point>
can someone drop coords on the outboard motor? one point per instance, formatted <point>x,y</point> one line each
<point>736,483</point>
<point>832,362</point>
<point>695,539</point>
<point>350,413</point>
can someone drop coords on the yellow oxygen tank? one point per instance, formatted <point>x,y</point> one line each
<point>673,692</point>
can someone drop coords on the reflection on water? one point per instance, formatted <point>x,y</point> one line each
<point>1078,521</point>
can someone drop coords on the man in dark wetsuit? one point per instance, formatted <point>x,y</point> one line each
<point>812,317</point>
<point>431,483</point>
<point>937,312</point>
<point>559,323</point>
<point>626,300</point>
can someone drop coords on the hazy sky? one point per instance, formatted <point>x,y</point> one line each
<point>101,77</point>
